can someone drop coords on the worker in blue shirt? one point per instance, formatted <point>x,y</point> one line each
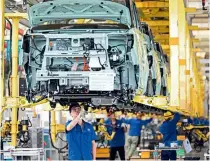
<point>118,142</point>
<point>169,133</point>
<point>80,136</point>
<point>134,133</point>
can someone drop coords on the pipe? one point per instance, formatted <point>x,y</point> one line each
<point>53,126</point>
<point>2,22</point>
<point>14,92</point>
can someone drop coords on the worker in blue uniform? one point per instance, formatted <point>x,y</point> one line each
<point>80,136</point>
<point>168,130</point>
<point>118,142</point>
<point>134,133</point>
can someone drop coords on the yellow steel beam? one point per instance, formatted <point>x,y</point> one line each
<point>53,126</point>
<point>158,14</point>
<point>152,4</point>
<point>160,29</point>
<point>195,40</point>
<point>190,10</point>
<point>193,27</point>
<point>188,46</point>
<point>162,37</point>
<point>14,91</point>
<point>182,55</point>
<point>195,49</point>
<point>17,15</point>
<point>158,23</point>
<point>149,10</point>
<point>165,47</point>
<point>198,28</point>
<point>164,41</point>
<point>174,53</point>
<point>2,55</point>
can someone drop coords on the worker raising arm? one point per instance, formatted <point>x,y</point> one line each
<point>80,136</point>
<point>168,130</point>
<point>134,133</point>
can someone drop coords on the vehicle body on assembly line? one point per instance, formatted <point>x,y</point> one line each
<point>102,60</point>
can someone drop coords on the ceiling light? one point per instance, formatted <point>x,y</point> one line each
<point>18,0</point>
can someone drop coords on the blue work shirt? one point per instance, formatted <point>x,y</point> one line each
<point>196,121</point>
<point>119,137</point>
<point>190,121</point>
<point>136,125</point>
<point>168,129</point>
<point>80,141</point>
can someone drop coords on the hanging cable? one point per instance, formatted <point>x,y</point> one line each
<point>59,149</point>
<point>10,54</point>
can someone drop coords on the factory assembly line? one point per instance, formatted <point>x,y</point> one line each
<point>101,63</point>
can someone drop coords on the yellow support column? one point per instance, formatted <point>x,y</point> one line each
<point>174,53</point>
<point>182,54</point>
<point>187,71</point>
<point>1,55</point>
<point>53,126</point>
<point>15,95</point>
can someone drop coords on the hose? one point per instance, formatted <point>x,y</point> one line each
<point>10,55</point>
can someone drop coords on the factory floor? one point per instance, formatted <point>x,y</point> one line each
<point>191,154</point>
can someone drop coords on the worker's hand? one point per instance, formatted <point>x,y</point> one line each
<point>82,114</point>
<point>122,116</point>
<point>80,122</point>
<point>154,116</point>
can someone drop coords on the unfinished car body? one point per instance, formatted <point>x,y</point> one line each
<point>154,80</point>
<point>164,69</point>
<point>102,60</point>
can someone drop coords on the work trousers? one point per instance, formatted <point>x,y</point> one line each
<point>114,150</point>
<point>131,144</point>
<point>168,154</point>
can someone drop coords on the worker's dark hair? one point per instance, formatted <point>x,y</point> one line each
<point>73,104</point>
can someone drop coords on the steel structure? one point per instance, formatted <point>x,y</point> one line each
<point>186,87</point>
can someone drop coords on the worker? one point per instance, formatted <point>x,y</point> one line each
<point>118,142</point>
<point>80,136</point>
<point>203,4</point>
<point>169,134</point>
<point>134,133</point>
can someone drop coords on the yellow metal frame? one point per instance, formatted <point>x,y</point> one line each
<point>186,88</point>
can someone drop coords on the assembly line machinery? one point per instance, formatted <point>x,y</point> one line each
<point>188,104</point>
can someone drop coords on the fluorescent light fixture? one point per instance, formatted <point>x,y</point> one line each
<point>18,0</point>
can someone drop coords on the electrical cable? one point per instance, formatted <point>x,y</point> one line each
<point>35,44</point>
<point>69,61</point>
<point>10,55</point>
<point>59,149</point>
<point>57,135</point>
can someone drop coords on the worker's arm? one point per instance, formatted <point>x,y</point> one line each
<point>94,149</point>
<point>73,123</point>
<point>124,127</point>
<point>176,118</point>
<point>145,122</point>
<point>93,137</point>
<point>126,121</point>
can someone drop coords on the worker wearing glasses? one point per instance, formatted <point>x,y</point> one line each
<point>80,136</point>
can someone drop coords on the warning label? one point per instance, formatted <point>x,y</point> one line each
<point>101,81</point>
